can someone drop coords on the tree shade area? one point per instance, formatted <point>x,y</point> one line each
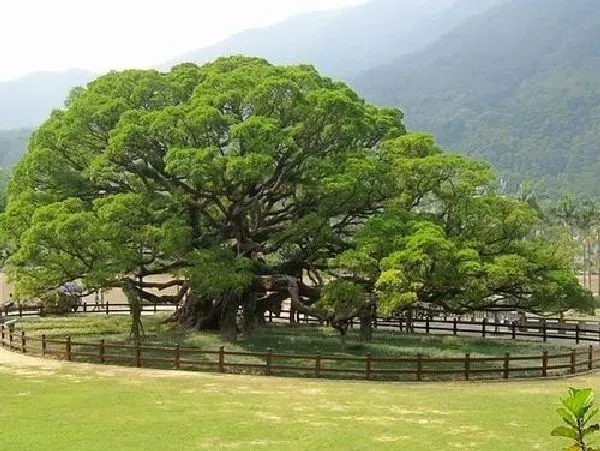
<point>250,184</point>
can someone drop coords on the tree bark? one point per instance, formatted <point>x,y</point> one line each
<point>250,313</point>
<point>366,324</point>
<point>135,309</point>
<point>229,304</point>
<point>522,321</point>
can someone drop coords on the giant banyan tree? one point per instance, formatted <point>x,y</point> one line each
<point>248,184</point>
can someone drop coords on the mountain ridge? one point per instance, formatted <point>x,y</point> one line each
<point>517,86</point>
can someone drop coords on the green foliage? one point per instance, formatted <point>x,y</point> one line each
<point>341,297</point>
<point>227,172</point>
<point>216,271</point>
<point>577,413</point>
<point>217,173</point>
<point>446,239</point>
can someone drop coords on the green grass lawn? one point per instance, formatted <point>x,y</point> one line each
<point>301,340</point>
<point>89,407</point>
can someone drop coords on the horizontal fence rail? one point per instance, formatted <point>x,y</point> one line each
<point>542,329</point>
<point>414,368</point>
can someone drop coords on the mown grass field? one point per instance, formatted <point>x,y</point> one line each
<point>299,340</point>
<point>61,406</point>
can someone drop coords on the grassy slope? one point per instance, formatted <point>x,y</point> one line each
<point>76,407</point>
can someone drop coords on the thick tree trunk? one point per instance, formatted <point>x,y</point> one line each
<point>343,329</point>
<point>197,313</point>
<point>522,321</point>
<point>229,304</point>
<point>409,321</point>
<point>135,309</point>
<point>366,324</point>
<point>250,314</point>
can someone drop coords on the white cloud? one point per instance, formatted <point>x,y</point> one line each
<point>99,35</point>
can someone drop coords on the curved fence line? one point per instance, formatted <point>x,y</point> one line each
<point>543,329</point>
<point>268,363</point>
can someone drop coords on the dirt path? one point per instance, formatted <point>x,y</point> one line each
<point>18,359</point>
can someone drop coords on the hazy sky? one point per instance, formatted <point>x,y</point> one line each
<point>113,34</point>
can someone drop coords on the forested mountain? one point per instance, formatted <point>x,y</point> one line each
<point>345,42</point>
<point>27,101</point>
<point>518,86</point>
<point>12,146</point>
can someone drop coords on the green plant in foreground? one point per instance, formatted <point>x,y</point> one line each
<point>577,412</point>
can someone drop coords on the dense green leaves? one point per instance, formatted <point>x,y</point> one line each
<point>240,179</point>
<point>447,240</point>
<point>161,170</point>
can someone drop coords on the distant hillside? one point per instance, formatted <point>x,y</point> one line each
<point>27,101</point>
<point>12,146</point>
<point>518,86</point>
<point>346,42</point>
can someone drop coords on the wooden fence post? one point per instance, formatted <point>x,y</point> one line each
<point>269,360</point>
<point>23,342</point>
<point>368,366</point>
<point>2,333</point>
<point>544,363</point>
<point>270,316</point>
<point>590,357</point>
<point>20,310</point>
<point>43,345</point>
<point>506,365</point>
<point>577,333</point>
<point>544,333</point>
<point>454,329</point>
<point>514,330</point>
<point>85,307</point>
<point>318,365</point>
<point>419,367</point>
<point>106,305</point>
<point>483,323</point>
<point>467,366</point>
<point>155,307</point>
<point>572,356</point>
<point>222,359</point>
<point>427,325</point>
<point>10,337</point>
<point>68,347</point>
<point>177,359</point>
<point>102,351</point>
<point>138,354</point>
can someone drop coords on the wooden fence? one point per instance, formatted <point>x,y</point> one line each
<point>542,329</point>
<point>418,368</point>
<point>20,311</point>
<point>539,328</point>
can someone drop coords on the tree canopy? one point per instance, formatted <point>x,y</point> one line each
<point>244,181</point>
